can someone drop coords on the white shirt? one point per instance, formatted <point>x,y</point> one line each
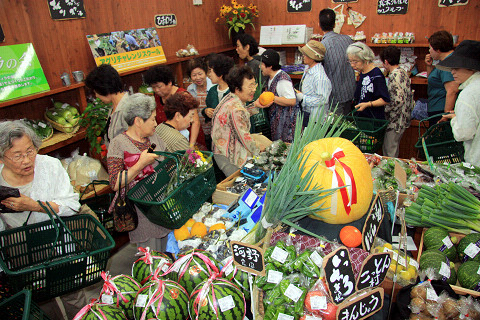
<point>284,87</point>
<point>316,89</point>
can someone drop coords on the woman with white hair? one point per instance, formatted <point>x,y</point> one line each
<point>371,94</point>
<point>130,150</point>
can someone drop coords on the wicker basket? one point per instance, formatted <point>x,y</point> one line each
<point>174,209</point>
<point>61,128</point>
<point>55,257</point>
<point>21,306</point>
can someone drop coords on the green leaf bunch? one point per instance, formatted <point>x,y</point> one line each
<point>94,119</point>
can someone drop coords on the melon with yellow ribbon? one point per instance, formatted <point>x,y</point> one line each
<point>340,163</point>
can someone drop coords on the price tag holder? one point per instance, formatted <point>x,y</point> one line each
<point>372,224</point>
<point>248,258</point>
<point>364,304</point>
<point>373,270</point>
<point>165,20</point>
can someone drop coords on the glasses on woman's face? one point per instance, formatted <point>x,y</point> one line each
<point>18,157</point>
<point>353,61</point>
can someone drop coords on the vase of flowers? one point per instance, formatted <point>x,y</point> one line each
<point>237,17</point>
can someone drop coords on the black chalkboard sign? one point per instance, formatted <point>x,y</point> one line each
<point>165,20</point>
<point>449,3</point>
<point>248,257</point>
<point>299,5</point>
<point>65,9</point>
<point>340,277</point>
<point>392,7</point>
<point>364,304</point>
<point>372,224</point>
<point>373,270</point>
<point>343,1</point>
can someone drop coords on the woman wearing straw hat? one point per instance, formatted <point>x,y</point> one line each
<point>315,87</point>
<point>464,64</point>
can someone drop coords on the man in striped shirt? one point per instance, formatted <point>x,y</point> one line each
<point>336,63</point>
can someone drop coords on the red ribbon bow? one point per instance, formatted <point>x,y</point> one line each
<point>338,154</point>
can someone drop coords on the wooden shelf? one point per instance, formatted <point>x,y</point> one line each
<point>295,75</point>
<point>419,80</point>
<point>281,45</point>
<point>41,95</point>
<point>61,140</point>
<point>408,45</point>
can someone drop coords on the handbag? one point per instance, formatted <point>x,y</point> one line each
<point>124,212</point>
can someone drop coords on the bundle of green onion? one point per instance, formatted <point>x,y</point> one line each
<point>447,205</point>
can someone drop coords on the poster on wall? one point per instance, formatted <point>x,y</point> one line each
<point>127,50</point>
<point>20,72</point>
<point>392,7</point>
<point>299,5</point>
<point>450,3</point>
<point>66,9</point>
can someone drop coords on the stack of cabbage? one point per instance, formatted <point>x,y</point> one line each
<point>64,116</point>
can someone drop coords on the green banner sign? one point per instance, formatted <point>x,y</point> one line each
<point>20,72</point>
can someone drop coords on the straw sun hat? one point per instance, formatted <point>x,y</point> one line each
<point>315,50</point>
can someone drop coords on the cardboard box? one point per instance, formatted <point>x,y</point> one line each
<point>221,195</point>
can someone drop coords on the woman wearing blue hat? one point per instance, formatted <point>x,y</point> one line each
<point>464,64</point>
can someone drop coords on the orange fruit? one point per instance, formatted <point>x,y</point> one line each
<point>266,97</point>
<point>190,223</point>
<point>217,226</point>
<point>351,236</point>
<point>198,229</point>
<point>181,233</point>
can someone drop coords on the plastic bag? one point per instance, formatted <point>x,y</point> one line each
<point>83,170</point>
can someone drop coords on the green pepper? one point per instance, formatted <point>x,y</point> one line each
<point>261,281</point>
<point>270,312</point>
<point>279,309</point>
<point>272,295</point>
<point>268,254</point>
<point>297,263</point>
<point>298,307</point>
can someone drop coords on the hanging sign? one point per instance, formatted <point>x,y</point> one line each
<point>340,277</point>
<point>373,270</point>
<point>127,50</point>
<point>362,305</point>
<point>20,72</point>
<point>343,1</point>
<point>165,20</point>
<point>66,9</point>
<point>372,224</point>
<point>299,5</point>
<point>450,3</point>
<point>392,7</point>
<point>248,257</point>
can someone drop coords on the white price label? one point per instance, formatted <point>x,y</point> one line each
<point>444,270</point>
<point>226,303</point>
<point>107,298</point>
<point>478,271</point>
<point>309,317</point>
<point>414,263</point>
<point>228,270</point>
<point>471,250</point>
<point>251,199</point>
<point>141,301</point>
<point>446,241</point>
<point>283,316</point>
<point>318,303</point>
<point>402,262</point>
<point>65,106</point>
<point>165,267</point>
<point>431,294</point>
<point>316,258</point>
<point>279,254</point>
<point>43,125</point>
<point>149,89</point>
<point>293,292</point>
<point>274,276</point>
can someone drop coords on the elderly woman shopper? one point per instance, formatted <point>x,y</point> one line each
<point>464,64</point>
<point>179,110</point>
<point>371,94</point>
<point>315,87</point>
<point>129,150</point>
<point>107,85</point>
<point>232,142</point>
<point>398,111</point>
<point>38,178</point>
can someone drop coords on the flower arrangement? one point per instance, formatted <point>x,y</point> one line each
<point>237,16</point>
<point>192,164</point>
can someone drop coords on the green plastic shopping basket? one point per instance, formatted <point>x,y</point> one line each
<point>368,133</point>
<point>55,257</point>
<point>440,143</point>
<point>20,306</point>
<point>172,210</point>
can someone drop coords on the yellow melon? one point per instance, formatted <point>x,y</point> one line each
<point>266,97</point>
<point>198,230</point>
<point>181,233</point>
<point>190,223</point>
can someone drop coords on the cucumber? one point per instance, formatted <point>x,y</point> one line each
<point>55,117</point>
<point>464,243</point>
<point>433,239</point>
<point>468,276</point>
<point>433,259</point>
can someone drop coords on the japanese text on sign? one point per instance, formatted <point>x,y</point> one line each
<point>133,59</point>
<point>341,282</point>
<point>165,20</point>
<point>448,3</point>
<point>373,271</point>
<point>66,9</point>
<point>392,6</point>
<point>372,224</point>
<point>248,258</point>
<point>299,5</point>
<point>363,306</point>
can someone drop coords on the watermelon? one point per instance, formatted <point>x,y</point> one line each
<point>468,276</point>
<point>148,262</point>
<point>161,299</point>
<point>100,311</point>
<point>191,269</point>
<point>433,259</point>
<point>217,298</point>
<point>120,291</point>
<point>472,239</point>
<point>435,238</point>
<point>237,276</point>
